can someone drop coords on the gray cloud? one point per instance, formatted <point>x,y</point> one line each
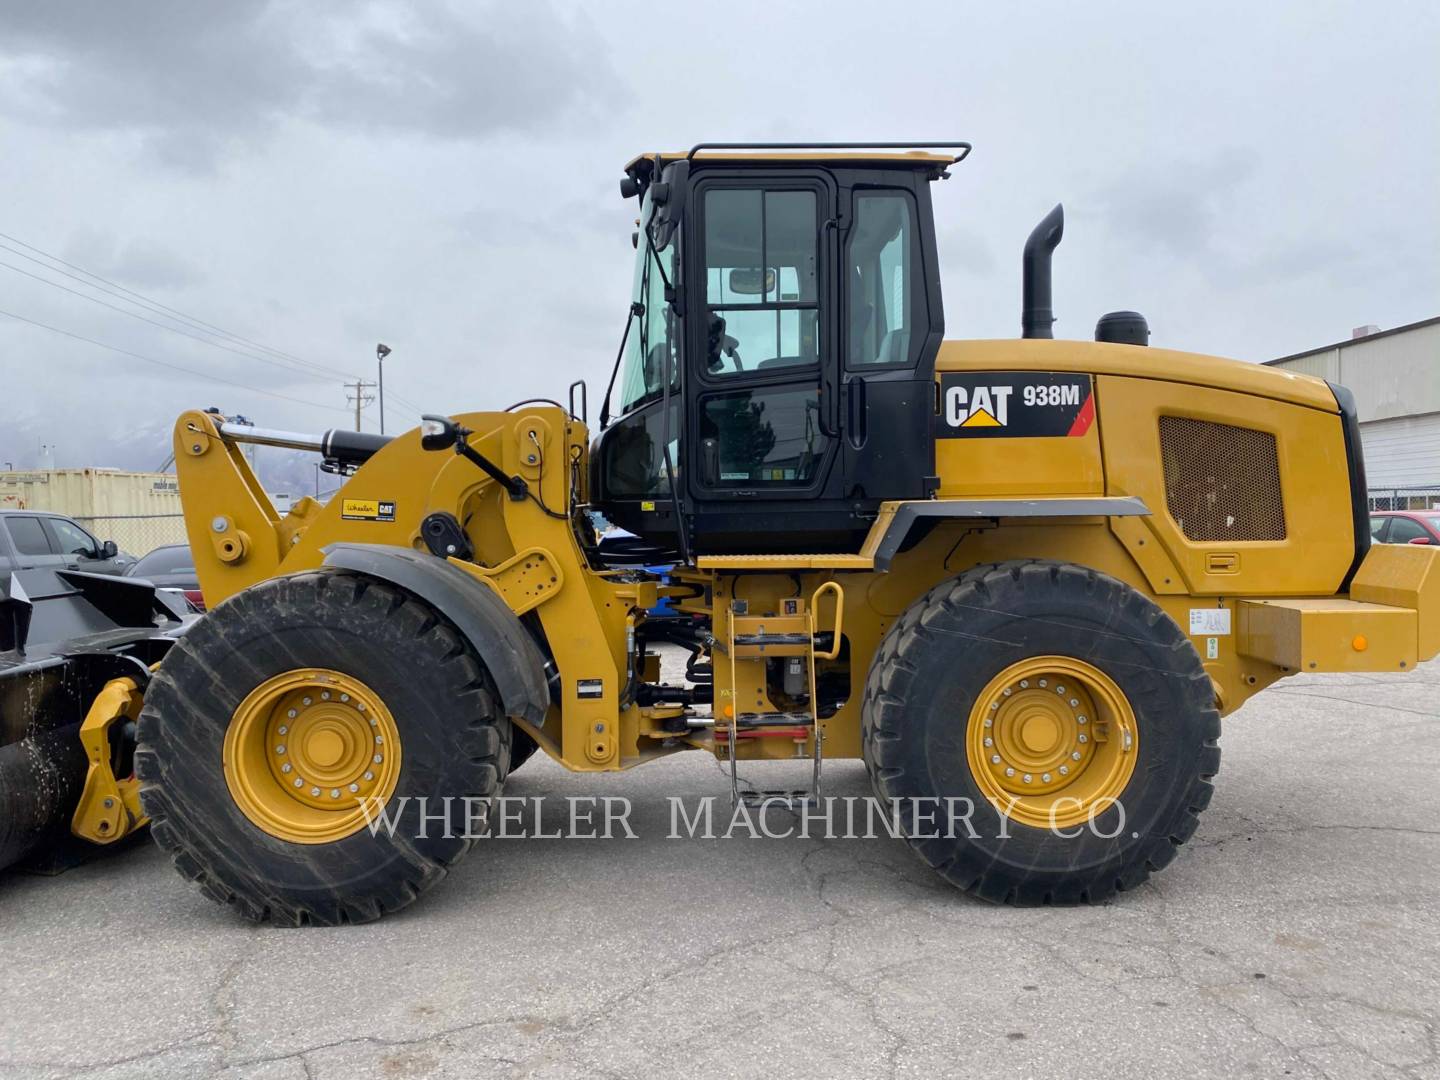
<point>195,80</point>
<point>318,175</point>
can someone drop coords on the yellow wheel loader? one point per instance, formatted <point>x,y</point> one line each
<point>1025,578</point>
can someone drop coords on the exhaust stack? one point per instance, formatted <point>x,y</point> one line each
<point>1037,313</point>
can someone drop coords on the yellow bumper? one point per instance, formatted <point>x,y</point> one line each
<point>1390,622</point>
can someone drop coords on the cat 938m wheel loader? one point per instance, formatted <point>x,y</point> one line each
<point>1028,575</point>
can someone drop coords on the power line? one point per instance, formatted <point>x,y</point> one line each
<point>153,305</point>
<point>173,329</point>
<point>165,364</point>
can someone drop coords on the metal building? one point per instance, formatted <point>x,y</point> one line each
<point>138,510</point>
<point>1395,376</point>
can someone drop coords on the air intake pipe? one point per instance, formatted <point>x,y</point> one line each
<point>1037,313</point>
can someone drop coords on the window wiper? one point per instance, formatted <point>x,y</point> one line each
<point>636,308</point>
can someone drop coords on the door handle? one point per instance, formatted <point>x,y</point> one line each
<point>856,412</point>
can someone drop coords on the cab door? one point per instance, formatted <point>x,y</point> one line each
<point>763,348</point>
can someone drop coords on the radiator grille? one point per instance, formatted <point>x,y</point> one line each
<point>1221,482</point>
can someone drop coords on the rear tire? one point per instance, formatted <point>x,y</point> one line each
<point>420,671</point>
<point>942,669</point>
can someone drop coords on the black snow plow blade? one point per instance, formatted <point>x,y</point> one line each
<point>63,636</point>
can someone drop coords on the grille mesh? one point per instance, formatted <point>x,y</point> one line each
<point>1221,482</point>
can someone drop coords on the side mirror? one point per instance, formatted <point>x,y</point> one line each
<point>1419,540</point>
<point>438,432</point>
<point>109,549</point>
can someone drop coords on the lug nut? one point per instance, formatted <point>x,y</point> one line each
<point>1064,770</point>
<point>1045,778</point>
<point>1008,691</point>
<point>299,782</point>
<point>1082,719</point>
<point>1026,778</point>
<point>354,787</point>
<point>344,697</point>
<point>1074,703</point>
<point>369,775</point>
<point>284,730</point>
<point>1060,690</point>
<point>280,749</point>
<point>378,759</point>
<point>379,738</point>
<point>1024,684</point>
<point>314,791</point>
<point>286,767</point>
<point>292,714</point>
<point>334,793</point>
<point>989,741</point>
<point>994,759</point>
<point>1083,737</point>
<point>324,695</point>
<point>1043,683</point>
<point>1075,755</point>
<point>1009,771</point>
<point>304,701</point>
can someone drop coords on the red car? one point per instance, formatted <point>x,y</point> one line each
<point>1405,526</point>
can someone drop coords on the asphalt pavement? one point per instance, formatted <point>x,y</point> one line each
<point>1298,934</point>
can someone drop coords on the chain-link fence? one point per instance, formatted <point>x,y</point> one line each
<point>138,534</point>
<point>1423,497</point>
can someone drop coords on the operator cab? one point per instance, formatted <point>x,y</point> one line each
<point>776,382</point>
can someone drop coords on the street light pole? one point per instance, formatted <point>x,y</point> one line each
<point>381,351</point>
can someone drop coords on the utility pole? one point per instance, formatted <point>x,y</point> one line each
<point>359,397</point>
<point>381,351</point>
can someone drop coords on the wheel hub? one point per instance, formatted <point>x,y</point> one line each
<point>1050,739</point>
<point>306,749</point>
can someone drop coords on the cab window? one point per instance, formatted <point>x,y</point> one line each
<point>762,281</point>
<point>885,300</point>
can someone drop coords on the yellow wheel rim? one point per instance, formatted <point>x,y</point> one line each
<point>1052,741</point>
<point>308,752</point>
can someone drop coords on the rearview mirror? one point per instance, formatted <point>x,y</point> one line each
<point>438,432</point>
<point>109,549</point>
<point>748,281</point>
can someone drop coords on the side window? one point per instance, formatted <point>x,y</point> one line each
<point>635,457</point>
<point>762,437</point>
<point>1377,527</point>
<point>762,282</point>
<point>29,536</point>
<point>70,538</point>
<point>885,299</point>
<point>1403,530</point>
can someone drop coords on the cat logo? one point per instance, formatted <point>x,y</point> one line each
<point>1014,405</point>
<point>977,407</point>
<point>367,510</point>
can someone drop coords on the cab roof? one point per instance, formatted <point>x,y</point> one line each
<point>920,155</point>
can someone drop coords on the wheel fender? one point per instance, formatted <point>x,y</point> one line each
<point>513,658</point>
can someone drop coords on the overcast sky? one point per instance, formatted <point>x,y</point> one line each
<point>316,177</point>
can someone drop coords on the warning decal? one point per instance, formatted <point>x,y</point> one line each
<point>1014,404</point>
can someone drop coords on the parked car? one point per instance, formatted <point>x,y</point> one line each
<point>170,567</point>
<point>1405,526</point>
<point>35,539</point>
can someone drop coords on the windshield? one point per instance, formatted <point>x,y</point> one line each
<point>654,330</point>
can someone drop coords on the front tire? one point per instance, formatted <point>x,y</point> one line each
<point>357,690</point>
<point>1066,708</point>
